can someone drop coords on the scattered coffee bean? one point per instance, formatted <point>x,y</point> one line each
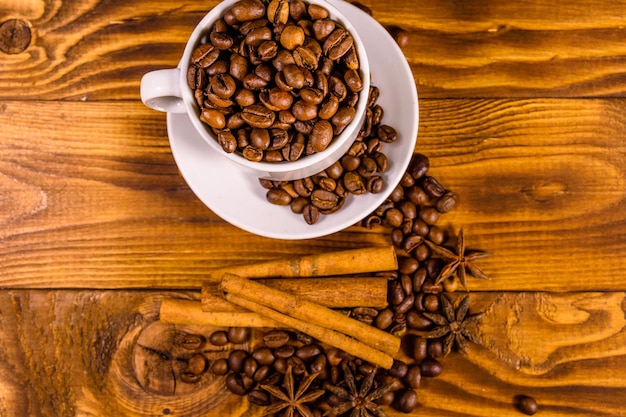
<point>526,404</point>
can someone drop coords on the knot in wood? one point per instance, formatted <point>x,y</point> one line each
<point>15,36</point>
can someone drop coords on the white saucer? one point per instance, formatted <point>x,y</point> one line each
<point>240,200</point>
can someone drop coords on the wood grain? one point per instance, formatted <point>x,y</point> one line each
<point>540,183</point>
<point>73,337</point>
<point>81,51</point>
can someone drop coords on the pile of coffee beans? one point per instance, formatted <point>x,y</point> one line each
<point>276,81</point>
<point>357,172</point>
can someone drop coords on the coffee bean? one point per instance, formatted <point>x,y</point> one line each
<point>220,367</point>
<point>387,134</point>
<point>259,397</point>
<point>429,215</point>
<point>353,80</point>
<point>418,166</point>
<point>236,359</point>
<point>220,40</point>
<point>291,37</point>
<point>205,55</point>
<point>311,214</point>
<point>235,384</point>
<point>406,401</point>
<point>342,119</point>
<point>322,28</point>
<point>337,44</point>
<point>446,202</point>
<point>258,116</point>
<point>401,36</point>
<point>197,364</point>
<point>275,338</point>
<point>262,373</point>
<point>304,111</point>
<point>278,196</point>
<point>324,200</point>
<point>354,183</point>
<point>384,319</point>
<point>278,11</point>
<point>219,338</point>
<point>435,348</point>
<point>309,352</point>
<point>526,404</point>
<point>213,118</point>
<point>250,366</point>
<point>246,10</point>
<point>431,367</point>
<point>322,135</point>
<point>419,348</point>
<point>264,355</point>
<point>238,334</point>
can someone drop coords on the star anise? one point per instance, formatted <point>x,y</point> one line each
<point>453,324</point>
<point>293,400</point>
<point>459,262</point>
<point>360,400</point>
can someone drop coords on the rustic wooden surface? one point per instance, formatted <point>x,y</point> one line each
<point>523,114</point>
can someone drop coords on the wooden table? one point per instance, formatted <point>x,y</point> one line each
<point>523,115</point>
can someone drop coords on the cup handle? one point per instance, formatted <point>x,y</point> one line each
<point>160,90</point>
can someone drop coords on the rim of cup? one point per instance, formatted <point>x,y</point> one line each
<point>340,143</point>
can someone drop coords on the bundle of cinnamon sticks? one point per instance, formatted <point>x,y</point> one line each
<point>301,294</point>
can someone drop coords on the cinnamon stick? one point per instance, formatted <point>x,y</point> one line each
<point>346,262</point>
<point>309,312</point>
<point>323,334</point>
<point>190,312</point>
<point>332,292</point>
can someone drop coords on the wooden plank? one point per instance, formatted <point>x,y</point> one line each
<point>512,49</point>
<point>75,353</point>
<point>540,185</point>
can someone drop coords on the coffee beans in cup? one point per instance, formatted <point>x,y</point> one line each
<point>276,81</point>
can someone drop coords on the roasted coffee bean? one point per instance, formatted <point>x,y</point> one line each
<point>197,364</point>
<point>387,134</point>
<point>354,183</point>
<point>258,116</point>
<point>189,341</point>
<point>275,338</point>
<point>418,166</point>
<point>337,88</point>
<point>298,367</point>
<point>260,138</point>
<point>236,359</point>
<point>304,111</point>
<point>375,184</point>
<point>432,187</point>
<point>221,40</point>
<point>324,200</point>
<point>263,355</point>
<point>321,136</point>
<point>429,215</point>
<point>329,107</point>
<point>259,397</point>
<point>306,58</point>
<point>353,80</point>
<point>285,351</point>
<point>278,11</point>
<point>435,348</point>
<point>291,37</point>
<point>411,242</point>
<point>252,154</point>
<point>431,367</point>
<point>431,302</point>
<point>337,44</point>
<point>238,67</point>
<point>526,404</point>
<point>318,364</point>
<point>322,28</point>
<point>278,196</point>
<point>308,352</point>
<point>405,401</point>
<point>419,348</point>
<point>250,366</point>
<point>446,202</point>
<point>393,217</point>
<point>220,367</point>
<point>245,10</point>
<point>213,118</point>
<point>436,235</point>
<point>384,319</point>
<point>342,119</point>
<point>219,338</point>
<point>401,36</point>
<point>204,55</point>
<point>238,334</point>
<point>414,376</point>
<point>311,214</point>
<point>235,384</point>
<point>262,373</point>
<point>367,167</point>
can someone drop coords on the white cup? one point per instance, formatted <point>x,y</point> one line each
<point>167,90</point>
